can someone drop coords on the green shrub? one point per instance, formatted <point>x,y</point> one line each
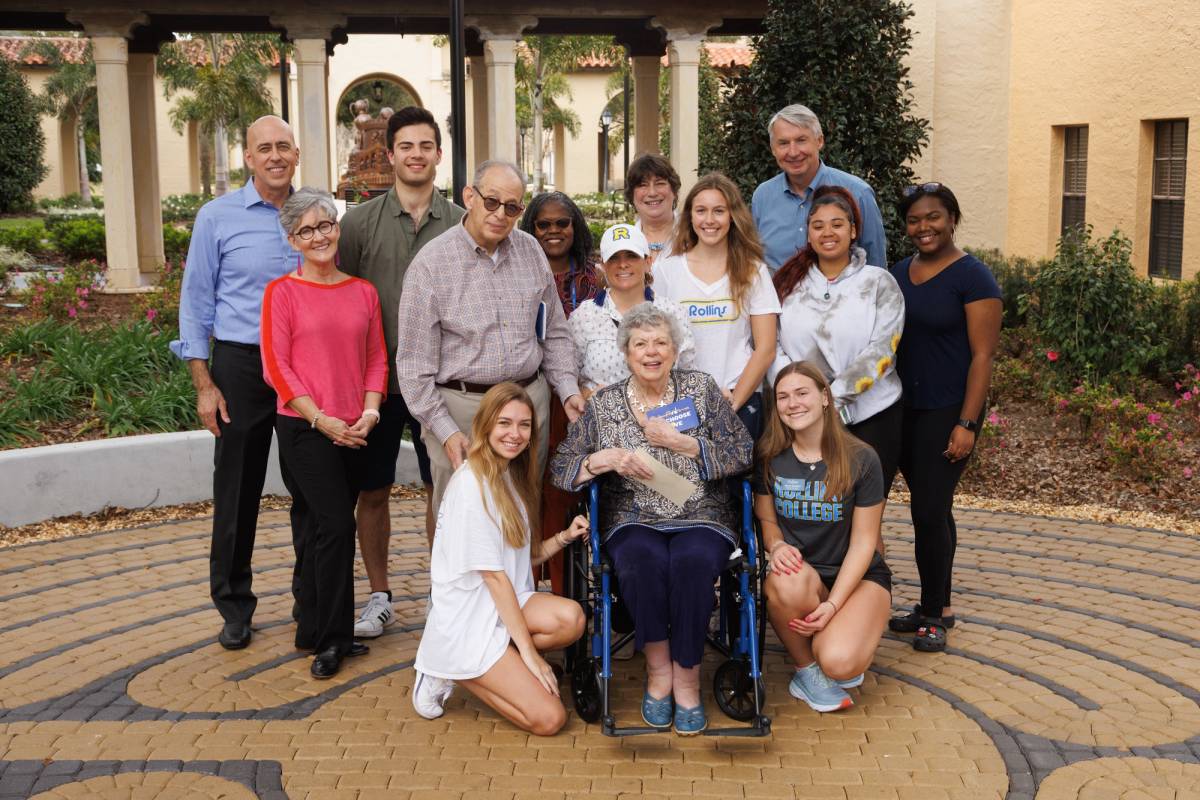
<point>79,239</point>
<point>175,243</point>
<point>61,216</point>
<point>1175,306</point>
<point>64,295</point>
<point>21,140</point>
<point>28,237</point>
<point>11,261</point>
<point>160,307</point>
<point>1015,277</point>
<point>182,207</point>
<point>1089,311</point>
<point>73,200</point>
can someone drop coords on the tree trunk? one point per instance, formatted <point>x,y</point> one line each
<point>539,178</point>
<point>221,159</point>
<point>85,186</point>
<point>206,166</point>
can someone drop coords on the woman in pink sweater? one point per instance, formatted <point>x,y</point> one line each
<point>323,353</point>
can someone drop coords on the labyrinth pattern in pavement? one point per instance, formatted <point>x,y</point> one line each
<point>1074,672</point>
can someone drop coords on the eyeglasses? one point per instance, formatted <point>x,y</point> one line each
<point>511,209</point>
<point>933,186</point>
<point>543,225</point>
<point>324,227</point>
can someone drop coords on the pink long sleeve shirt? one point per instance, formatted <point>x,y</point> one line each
<point>324,341</point>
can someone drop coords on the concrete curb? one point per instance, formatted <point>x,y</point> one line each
<point>161,469</point>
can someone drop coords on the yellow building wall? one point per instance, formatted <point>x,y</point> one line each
<point>579,171</point>
<point>1115,68</point>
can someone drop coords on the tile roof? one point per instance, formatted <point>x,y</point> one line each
<point>14,48</point>
<point>722,55</point>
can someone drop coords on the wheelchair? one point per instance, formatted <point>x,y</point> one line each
<point>589,578</point>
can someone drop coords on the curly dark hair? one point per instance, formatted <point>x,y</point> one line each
<point>412,115</point>
<point>647,166</point>
<point>581,247</point>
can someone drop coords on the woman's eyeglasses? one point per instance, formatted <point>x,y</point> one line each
<point>909,191</point>
<point>511,209</point>
<point>562,224</point>
<point>324,227</point>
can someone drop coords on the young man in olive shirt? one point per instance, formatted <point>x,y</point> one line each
<point>378,242</point>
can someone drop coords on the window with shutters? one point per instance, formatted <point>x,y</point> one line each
<point>1074,194</point>
<point>1166,205</point>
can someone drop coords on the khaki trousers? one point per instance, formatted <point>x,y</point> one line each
<point>462,407</point>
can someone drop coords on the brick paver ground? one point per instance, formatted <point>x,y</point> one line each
<point>1074,672</point>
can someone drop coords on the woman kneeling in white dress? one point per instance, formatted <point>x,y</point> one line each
<point>486,622</point>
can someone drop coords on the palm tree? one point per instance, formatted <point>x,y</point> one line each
<point>70,95</point>
<point>542,81</point>
<point>226,93</point>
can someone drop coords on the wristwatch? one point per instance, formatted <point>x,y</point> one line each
<point>969,424</point>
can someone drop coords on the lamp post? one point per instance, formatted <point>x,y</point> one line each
<point>606,119</point>
<point>524,130</point>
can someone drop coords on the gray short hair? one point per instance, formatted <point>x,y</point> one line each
<point>647,315</point>
<point>798,115</point>
<point>486,166</point>
<point>299,203</point>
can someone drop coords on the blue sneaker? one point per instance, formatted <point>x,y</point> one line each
<point>690,721</point>
<point>821,693</point>
<point>852,683</point>
<point>657,712</point>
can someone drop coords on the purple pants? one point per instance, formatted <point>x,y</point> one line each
<point>666,580</point>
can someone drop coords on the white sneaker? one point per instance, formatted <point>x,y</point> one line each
<point>429,694</point>
<point>375,616</point>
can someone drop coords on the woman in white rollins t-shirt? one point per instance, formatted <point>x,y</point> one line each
<point>717,276</point>
<point>486,623</point>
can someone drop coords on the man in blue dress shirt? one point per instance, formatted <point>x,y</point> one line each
<point>781,204</point>
<point>237,248</point>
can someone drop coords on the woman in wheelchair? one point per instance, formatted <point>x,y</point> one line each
<point>819,499</point>
<point>486,623</point>
<point>666,556</point>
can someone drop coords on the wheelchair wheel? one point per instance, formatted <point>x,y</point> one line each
<point>734,690</point>
<point>585,690</point>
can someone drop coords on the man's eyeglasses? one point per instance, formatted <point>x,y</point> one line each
<point>511,209</point>
<point>933,186</point>
<point>543,225</point>
<point>324,227</point>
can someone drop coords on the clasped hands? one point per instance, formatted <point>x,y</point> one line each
<point>352,436</point>
<point>786,559</point>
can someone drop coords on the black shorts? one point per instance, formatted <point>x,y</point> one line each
<point>878,572</point>
<point>383,445</point>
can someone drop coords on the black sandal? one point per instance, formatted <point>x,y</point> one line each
<point>930,638</point>
<point>910,622</point>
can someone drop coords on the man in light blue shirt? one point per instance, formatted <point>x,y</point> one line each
<point>237,248</point>
<point>781,204</point>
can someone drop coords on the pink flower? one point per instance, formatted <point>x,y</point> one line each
<point>83,303</point>
<point>1052,355</point>
<point>1187,396</point>
<point>1079,389</point>
<point>1187,472</point>
<point>71,313</point>
<point>993,418</point>
<point>1178,386</point>
<point>151,314</point>
<point>1063,403</point>
<point>1153,418</point>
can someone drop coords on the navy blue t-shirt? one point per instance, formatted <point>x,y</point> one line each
<point>934,354</point>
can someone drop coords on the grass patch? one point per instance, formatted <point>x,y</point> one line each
<point>121,379</point>
<point>19,222</point>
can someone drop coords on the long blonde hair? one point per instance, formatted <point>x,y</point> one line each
<point>490,468</point>
<point>838,445</point>
<point>745,249</point>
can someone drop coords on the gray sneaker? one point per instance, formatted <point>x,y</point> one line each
<point>375,616</point>
<point>852,683</point>
<point>821,693</point>
<point>429,694</point>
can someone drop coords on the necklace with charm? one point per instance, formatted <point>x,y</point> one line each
<point>638,404</point>
<point>805,459</point>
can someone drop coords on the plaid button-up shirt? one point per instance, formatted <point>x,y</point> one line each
<point>466,317</point>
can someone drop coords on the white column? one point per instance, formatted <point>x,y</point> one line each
<point>646,110</point>
<point>312,112</point>
<point>683,59</point>
<point>111,54</point>
<point>479,111</point>
<point>501,58</point>
<point>148,209</point>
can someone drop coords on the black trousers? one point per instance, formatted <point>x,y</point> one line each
<point>239,471</point>
<point>884,432</point>
<point>932,479</point>
<point>327,477</point>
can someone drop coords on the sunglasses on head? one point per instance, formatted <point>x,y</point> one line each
<point>933,186</point>
<point>543,225</point>
<point>511,209</point>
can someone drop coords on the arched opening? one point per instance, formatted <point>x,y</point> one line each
<point>378,91</point>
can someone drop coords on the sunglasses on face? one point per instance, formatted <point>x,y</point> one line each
<point>543,225</point>
<point>511,209</point>
<point>324,227</point>
<point>909,191</point>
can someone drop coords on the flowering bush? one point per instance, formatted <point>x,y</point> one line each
<point>161,307</point>
<point>66,294</point>
<point>1187,386</point>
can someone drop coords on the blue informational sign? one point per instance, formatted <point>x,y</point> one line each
<point>681,414</point>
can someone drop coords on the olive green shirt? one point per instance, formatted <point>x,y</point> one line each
<point>379,241</point>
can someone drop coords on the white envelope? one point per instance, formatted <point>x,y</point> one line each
<point>666,481</point>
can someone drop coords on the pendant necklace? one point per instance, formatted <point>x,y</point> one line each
<point>803,459</point>
<point>636,401</point>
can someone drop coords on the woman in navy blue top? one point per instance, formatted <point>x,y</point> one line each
<point>952,314</point>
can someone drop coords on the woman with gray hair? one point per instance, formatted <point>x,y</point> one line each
<point>667,554</point>
<point>323,353</point>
